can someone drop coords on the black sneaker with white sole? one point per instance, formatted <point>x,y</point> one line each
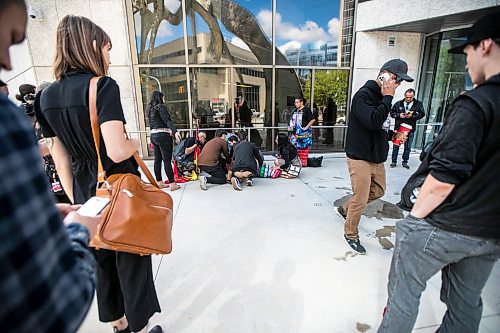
<point>355,245</point>
<point>249,182</point>
<point>236,183</point>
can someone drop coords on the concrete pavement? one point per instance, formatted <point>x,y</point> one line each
<point>272,258</point>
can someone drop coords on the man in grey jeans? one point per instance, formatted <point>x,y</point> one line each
<point>454,225</point>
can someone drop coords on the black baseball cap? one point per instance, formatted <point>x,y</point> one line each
<point>484,28</point>
<point>399,68</point>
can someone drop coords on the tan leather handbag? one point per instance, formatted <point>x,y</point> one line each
<point>139,217</point>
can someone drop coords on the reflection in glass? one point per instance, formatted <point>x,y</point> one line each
<point>172,83</point>
<point>307,37</point>
<point>288,90</point>
<point>228,32</point>
<point>211,93</point>
<point>330,98</point>
<point>424,92</point>
<point>159,32</point>
<point>450,80</point>
<point>218,95</point>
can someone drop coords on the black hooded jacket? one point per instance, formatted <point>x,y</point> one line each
<point>366,138</point>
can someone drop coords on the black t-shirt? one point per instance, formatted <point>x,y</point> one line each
<point>64,113</point>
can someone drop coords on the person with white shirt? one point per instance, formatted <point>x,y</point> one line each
<point>406,111</point>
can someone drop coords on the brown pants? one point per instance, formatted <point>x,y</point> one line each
<point>368,184</point>
<point>241,175</point>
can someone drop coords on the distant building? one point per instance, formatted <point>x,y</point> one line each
<point>313,55</point>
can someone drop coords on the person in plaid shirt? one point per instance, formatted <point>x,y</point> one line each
<point>47,273</point>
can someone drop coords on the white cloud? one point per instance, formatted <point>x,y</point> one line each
<point>290,45</point>
<point>334,28</point>
<point>265,18</point>
<point>164,30</point>
<point>306,33</point>
<point>238,42</point>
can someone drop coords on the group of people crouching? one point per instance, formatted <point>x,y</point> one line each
<point>238,161</point>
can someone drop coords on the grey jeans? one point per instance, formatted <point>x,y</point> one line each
<point>421,251</point>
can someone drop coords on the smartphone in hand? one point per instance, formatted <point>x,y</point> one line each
<point>93,206</point>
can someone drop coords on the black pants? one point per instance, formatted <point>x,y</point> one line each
<point>163,147</point>
<point>217,173</point>
<point>125,286</point>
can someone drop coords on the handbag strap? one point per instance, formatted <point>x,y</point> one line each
<point>101,173</point>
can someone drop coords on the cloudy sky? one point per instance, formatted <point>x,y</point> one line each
<point>299,23</point>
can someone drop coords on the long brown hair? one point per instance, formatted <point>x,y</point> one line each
<point>75,48</point>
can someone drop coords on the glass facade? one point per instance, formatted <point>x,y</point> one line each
<point>266,52</point>
<point>443,78</point>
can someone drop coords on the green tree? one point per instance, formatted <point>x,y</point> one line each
<point>328,83</point>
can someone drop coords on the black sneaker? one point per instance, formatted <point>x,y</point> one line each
<point>405,165</point>
<point>342,212</point>
<point>236,183</point>
<point>355,245</point>
<point>156,329</point>
<point>249,182</point>
<point>393,165</point>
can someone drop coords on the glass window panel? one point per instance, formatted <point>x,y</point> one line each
<point>232,32</point>
<point>218,95</point>
<point>424,91</point>
<point>290,84</point>
<point>159,32</point>
<point>307,36</point>
<point>172,82</point>
<point>211,97</point>
<point>450,80</point>
<point>330,84</point>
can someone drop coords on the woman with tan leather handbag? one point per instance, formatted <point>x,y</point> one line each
<point>126,293</point>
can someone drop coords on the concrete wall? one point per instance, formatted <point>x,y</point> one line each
<point>377,14</point>
<point>372,51</point>
<point>32,60</point>
<point>371,48</point>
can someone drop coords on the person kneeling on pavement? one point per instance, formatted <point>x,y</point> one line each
<point>211,163</point>
<point>185,151</point>
<point>288,155</point>
<point>247,160</point>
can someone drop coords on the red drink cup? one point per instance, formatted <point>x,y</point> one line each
<point>402,132</point>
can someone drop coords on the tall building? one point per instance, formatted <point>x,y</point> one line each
<point>347,8</point>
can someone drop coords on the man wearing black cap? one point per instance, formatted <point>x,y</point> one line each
<point>454,224</point>
<point>367,145</point>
